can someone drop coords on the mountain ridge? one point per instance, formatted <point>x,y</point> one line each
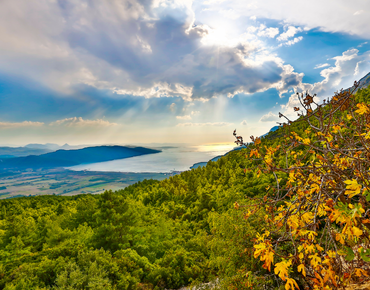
<point>66,158</point>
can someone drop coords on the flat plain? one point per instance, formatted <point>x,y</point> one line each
<point>67,182</point>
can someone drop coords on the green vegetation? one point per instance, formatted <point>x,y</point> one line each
<point>191,228</point>
<point>153,234</point>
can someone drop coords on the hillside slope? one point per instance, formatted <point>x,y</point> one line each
<point>187,229</point>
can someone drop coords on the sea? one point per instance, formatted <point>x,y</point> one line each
<point>172,158</point>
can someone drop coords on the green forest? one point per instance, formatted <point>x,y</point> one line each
<point>189,229</point>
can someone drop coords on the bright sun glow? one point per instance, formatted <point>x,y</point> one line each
<point>222,33</point>
<point>220,37</point>
<point>217,148</point>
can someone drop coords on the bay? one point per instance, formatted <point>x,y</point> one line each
<point>169,160</point>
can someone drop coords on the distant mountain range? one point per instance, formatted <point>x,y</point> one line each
<point>50,146</point>
<point>66,158</point>
<point>33,149</point>
<point>11,152</point>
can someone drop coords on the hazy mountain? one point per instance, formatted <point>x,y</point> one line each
<point>65,158</point>
<point>52,147</point>
<point>11,152</point>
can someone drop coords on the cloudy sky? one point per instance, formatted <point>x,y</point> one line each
<point>143,71</point>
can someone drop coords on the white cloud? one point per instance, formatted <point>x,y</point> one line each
<point>230,13</point>
<point>321,65</point>
<point>292,41</point>
<point>186,117</point>
<point>126,47</point>
<point>158,90</point>
<point>269,117</point>
<point>290,79</point>
<point>244,123</point>
<point>362,44</point>
<point>349,66</point>
<point>290,32</point>
<point>328,16</point>
<point>80,122</point>
<point>270,32</point>
<point>216,124</point>
<point>7,125</point>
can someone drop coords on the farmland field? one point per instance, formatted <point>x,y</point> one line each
<point>67,182</point>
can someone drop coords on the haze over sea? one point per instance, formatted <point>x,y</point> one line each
<point>172,158</point>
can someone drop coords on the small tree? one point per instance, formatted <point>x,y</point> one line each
<point>318,216</point>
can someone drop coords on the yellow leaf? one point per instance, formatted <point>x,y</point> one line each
<point>315,260</point>
<point>306,141</point>
<point>331,254</point>
<point>362,109</point>
<point>281,269</point>
<point>302,268</point>
<point>339,237</point>
<point>356,231</point>
<point>353,188</point>
<point>254,152</point>
<point>360,272</point>
<point>336,128</point>
<point>301,256</point>
<point>291,284</point>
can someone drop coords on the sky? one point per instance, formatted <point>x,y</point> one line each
<point>181,71</point>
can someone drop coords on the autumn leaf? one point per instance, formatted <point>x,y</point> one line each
<point>360,272</point>
<point>306,141</point>
<point>302,268</point>
<point>356,231</point>
<point>281,269</point>
<point>353,188</point>
<point>254,152</point>
<point>362,109</point>
<point>291,284</point>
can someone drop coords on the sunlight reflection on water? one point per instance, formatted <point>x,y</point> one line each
<point>170,159</point>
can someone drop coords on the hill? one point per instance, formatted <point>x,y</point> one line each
<point>65,158</point>
<point>11,152</point>
<point>191,228</point>
<point>32,149</point>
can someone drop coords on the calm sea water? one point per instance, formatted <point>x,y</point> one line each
<point>170,159</point>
